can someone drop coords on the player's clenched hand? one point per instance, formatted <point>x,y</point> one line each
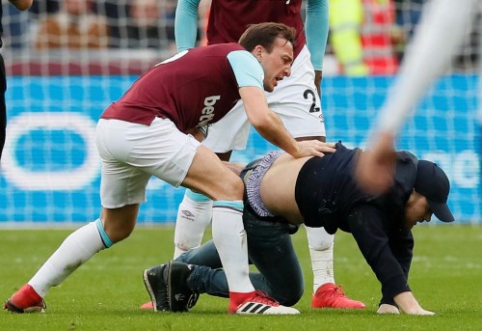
<point>375,168</point>
<point>314,148</point>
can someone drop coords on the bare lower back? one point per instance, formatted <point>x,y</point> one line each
<point>278,187</point>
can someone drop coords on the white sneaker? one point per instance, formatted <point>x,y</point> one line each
<point>250,308</point>
<point>259,304</point>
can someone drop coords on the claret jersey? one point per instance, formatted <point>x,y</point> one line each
<point>224,27</point>
<point>192,89</point>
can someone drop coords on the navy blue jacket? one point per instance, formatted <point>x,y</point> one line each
<point>328,196</point>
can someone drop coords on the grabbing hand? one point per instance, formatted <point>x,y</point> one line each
<point>314,148</point>
<point>375,168</point>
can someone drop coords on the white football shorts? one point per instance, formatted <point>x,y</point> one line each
<point>131,153</point>
<point>295,100</point>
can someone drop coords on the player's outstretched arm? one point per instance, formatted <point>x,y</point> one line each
<point>271,128</point>
<point>438,36</point>
<point>375,169</point>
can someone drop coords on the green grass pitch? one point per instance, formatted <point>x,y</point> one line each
<point>105,293</point>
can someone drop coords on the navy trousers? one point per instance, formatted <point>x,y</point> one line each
<point>270,249</point>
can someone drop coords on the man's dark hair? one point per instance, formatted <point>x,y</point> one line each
<point>265,34</point>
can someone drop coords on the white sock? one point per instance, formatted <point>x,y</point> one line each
<point>193,216</point>
<point>321,244</point>
<point>230,239</point>
<point>76,249</point>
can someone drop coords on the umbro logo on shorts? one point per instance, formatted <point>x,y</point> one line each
<point>187,213</point>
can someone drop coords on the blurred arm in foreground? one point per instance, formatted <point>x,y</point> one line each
<point>436,40</point>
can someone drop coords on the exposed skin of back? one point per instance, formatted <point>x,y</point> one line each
<point>279,195</point>
<point>277,191</point>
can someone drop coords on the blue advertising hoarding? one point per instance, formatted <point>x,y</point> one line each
<point>51,171</point>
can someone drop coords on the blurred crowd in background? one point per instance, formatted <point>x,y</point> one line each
<point>367,37</point>
<point>91,24</point>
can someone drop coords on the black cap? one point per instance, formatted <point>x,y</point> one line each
<point>433,184</point>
